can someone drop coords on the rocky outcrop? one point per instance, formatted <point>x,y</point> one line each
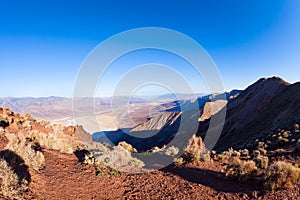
<point>211,108</point>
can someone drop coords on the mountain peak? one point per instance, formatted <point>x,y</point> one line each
<point>273,79</point>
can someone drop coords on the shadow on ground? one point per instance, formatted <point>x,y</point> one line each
<point>213,180</point>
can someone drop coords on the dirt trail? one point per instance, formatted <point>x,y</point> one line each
<point>65,178</point>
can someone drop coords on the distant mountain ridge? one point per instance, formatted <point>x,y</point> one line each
<point>265,106</point>
<point>160,130</point>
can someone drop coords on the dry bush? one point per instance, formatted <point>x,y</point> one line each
<point>194,149</point>
<point>244,153</point>
<point>261,161</point>
<point>280,175</point>
<point>205,156</point>
<point>52,141</point>
<point>241,170</point>
<point>262,151</point>
<point>26,150</point>
<point>116,158</point>
<point>171,151</point>
<point>296,127</point>
<point>178,161</point>
<point>45,123</point>
<point>11,185</point>
<point>127,147</point>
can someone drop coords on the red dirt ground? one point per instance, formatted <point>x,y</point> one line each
<point>65,178</point>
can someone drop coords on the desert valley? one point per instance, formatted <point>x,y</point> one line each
<point>256,156</point>
<point>158,100</point>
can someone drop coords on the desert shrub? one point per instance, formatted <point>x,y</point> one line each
<point>127,147</point>
<point>283,141</point>
<point>261,161</point>
<point>29,117</point>
<point>205,156</point>
<point>6,112</point>
<point>26,150</point>
<point>2,131</point>
<point>241,170</point>
<point>114,172</point>
<point>171,151</point>
<point>262,151</point>
<point>136,162</point>
<point>178,161</point>
<point>194,149</point>
<point>90,159</point>
<point>280,175</point>
<point>11,185</point>
<point>45,123</point>
<point>27,125</point>
<point>286,134</point>
<point>37,136</point>
<point>115,158</point>
<point>236,154</point>
<point>52,141</point>
<point>244,153</point>
<point>280,151</point>
<point>18,122</point>
<point>255,153</point>
<point>155,149</point>
<point>296,127</point>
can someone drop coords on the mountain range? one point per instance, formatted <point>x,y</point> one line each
<point>264,107</point>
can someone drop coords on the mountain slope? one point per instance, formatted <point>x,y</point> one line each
<point>263,107</point>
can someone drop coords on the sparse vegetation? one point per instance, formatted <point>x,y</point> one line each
<point>240,170</point>
<point>178,161</point>
<point>194,149</point>
<point>32,156</point>
<point>115,158</point>
<point>280,175</point>
<point>11,185</point>
<point>127,147</point>
<point>171,151</point>
<point>261,161</point>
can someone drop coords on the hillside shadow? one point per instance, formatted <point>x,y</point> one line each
<point>212,179</point>
<point>16,163</point>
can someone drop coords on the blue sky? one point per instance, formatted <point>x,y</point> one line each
<point>43,43</point>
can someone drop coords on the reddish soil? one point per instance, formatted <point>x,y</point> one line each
<point>65,178</point>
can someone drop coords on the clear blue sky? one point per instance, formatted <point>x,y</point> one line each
<point>43,43</point>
